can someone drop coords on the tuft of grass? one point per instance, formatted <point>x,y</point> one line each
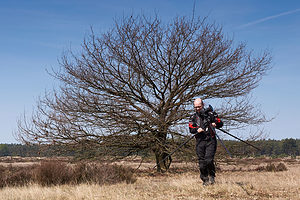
<point>281,167</point>
<point>102,174</point>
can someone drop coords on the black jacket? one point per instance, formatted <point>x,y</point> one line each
<point>198,121</point>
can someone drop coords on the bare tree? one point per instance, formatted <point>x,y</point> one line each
<point>132,87</point>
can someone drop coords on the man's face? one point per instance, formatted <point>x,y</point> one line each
<point>198,106</point>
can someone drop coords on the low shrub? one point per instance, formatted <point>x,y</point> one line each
<point>272,167</point>
<point>281,167</point>
<point>57,172</point>
<point>102,174</point>
<point>53,173</point>
<point>16,176</point>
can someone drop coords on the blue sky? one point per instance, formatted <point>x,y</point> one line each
<point>34,34</point>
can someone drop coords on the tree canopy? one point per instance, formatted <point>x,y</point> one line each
<point>132,87</point>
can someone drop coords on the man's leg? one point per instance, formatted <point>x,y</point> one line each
<point>200,150</point>
<point>211,148</point>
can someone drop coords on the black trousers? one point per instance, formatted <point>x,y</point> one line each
<point>206,150</point>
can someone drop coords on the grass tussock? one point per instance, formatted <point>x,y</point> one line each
<point>101,174</point>
<point>272,168</point>
<point>49,173</point>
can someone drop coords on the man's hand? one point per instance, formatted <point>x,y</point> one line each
<point>214,124</point>
<point>200,130</point>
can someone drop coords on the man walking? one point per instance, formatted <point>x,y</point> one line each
<point>206,142</point>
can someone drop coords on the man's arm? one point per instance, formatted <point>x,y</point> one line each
<point>218,123</point>
<point>193,126</point>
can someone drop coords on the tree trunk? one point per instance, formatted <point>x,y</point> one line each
<point>163,160</point>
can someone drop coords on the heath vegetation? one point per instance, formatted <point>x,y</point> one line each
<point>247,178</point>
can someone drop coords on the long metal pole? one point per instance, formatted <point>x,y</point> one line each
<point>239,139</point>
<point>224,145</point>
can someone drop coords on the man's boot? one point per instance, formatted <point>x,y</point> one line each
<point>205,181</point>
<point>212,180</point>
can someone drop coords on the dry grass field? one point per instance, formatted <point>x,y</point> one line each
<point>236,179</point>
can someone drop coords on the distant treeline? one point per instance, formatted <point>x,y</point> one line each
<point>31,151</point>
<point>274,148</point>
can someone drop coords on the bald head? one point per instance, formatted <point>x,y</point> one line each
<point>198,104</point>
<point>198,101</point>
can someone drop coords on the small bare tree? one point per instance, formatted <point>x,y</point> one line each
<point>131,89</point>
